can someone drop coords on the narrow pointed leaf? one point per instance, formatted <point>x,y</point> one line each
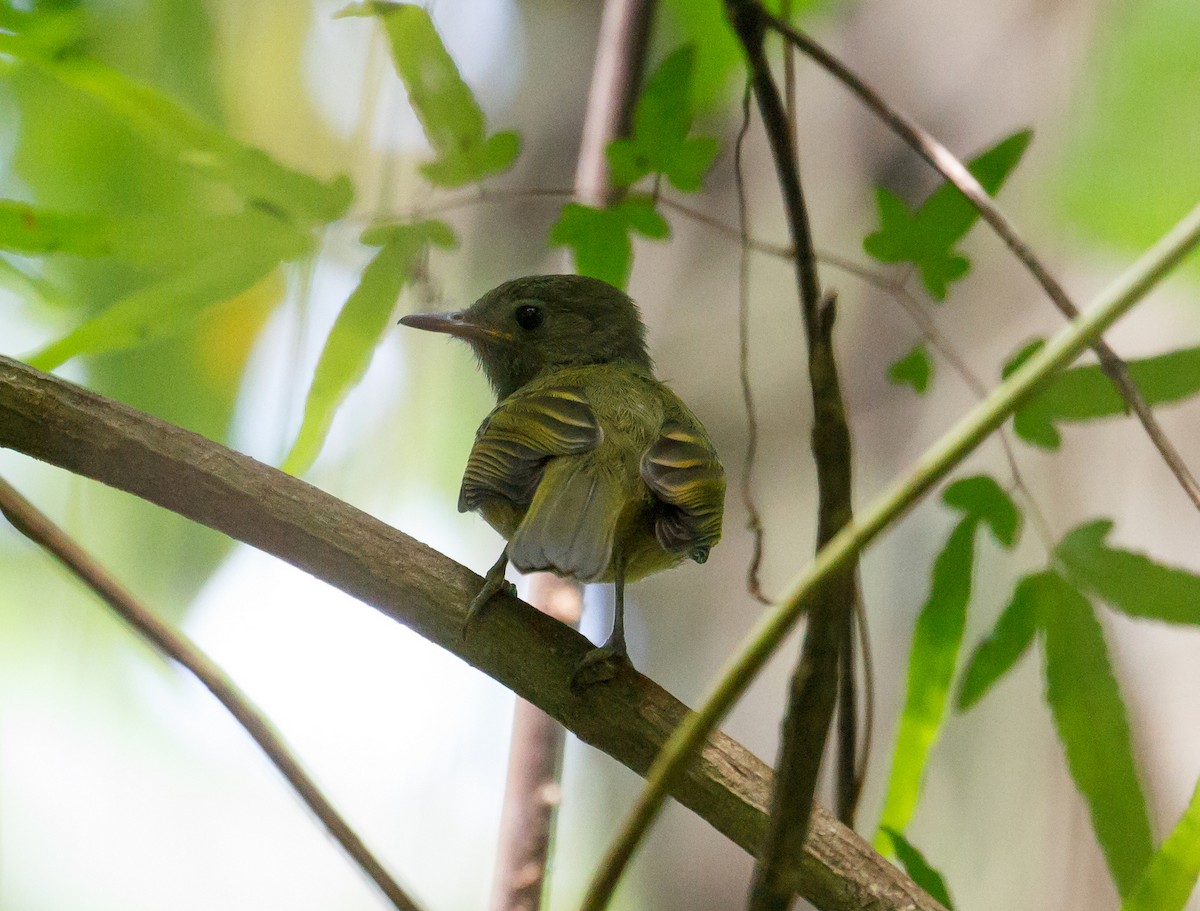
<point>453,122</point>
<point>936,641</point>
<point>143,240</point>
<point>1131,582</point>
<point>1171,876</point>
<point>1086,394</point>
<point>914,369</point>
<point>171,305</point>
<point>919,869</point>
<point>1090,717</point>
<point>252,173</point>
<point>999,652</point>
<point>359,327</point>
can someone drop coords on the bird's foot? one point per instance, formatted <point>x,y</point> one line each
<point>491,588</point>
<point>600,665</point>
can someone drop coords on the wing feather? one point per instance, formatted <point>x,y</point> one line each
<point>682,470</point>
<point>513,444</point>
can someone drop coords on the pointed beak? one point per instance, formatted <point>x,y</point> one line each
<point>459,324</point>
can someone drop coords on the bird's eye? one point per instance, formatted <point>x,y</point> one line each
<point>529,317</point>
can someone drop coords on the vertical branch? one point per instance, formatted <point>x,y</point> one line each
<point>532,792</point>
<point>33,524</point>
<point>535,758</point>
<point>814,685</point>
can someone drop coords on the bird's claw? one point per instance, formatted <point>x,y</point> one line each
<point>491,588</point>
<point>600,665</point>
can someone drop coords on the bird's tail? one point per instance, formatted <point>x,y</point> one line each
<point>570,524</point>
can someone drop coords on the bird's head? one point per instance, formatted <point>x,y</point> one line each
<point>531,325</point>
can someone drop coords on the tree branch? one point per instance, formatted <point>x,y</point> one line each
<point>533,655</point>
<point>952,169</point>
<point>814,687</point>
<point>37,527</point>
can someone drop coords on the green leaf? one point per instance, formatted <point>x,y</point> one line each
<point>927,238</point>
<point>1090,717</point>
<point>453,121</point>
<point>1085,394</point>
<point>358,329</point>
<point>936,642</point>
<point>252,173</point>
<point>1131,582</point>
<point>996,655</point>
<point>914,369</point>
<point>144,240</point>
<point>937,639</point>
<point>256,244</point>
<point>982,498</point>
<point>919,869</point>
<point>1024,353</point>
<point>600,238</point>
<point>662,119</point>
<point>1171,875</point>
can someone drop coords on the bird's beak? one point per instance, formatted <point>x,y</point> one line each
<point>459,324</point>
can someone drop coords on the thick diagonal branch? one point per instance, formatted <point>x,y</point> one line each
<point>528,652</point>
<point>952,169</point>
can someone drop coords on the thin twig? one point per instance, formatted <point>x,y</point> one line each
<point>36,526</point>
<point>754,517</point>
<point>937,462</point>
<point>815,688</point>
<point>950,167</point>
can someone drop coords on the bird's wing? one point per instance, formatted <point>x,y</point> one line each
<point>518,437</point>
<point>682,470</point>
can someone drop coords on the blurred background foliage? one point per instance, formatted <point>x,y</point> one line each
<point>130,140</point>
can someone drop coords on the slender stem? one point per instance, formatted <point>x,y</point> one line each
<point>36,526</point>
<point>934,465</point>
<point>754,517</point>
<point>814,691</point>
<point>950,167</point>
<point>533,790</point>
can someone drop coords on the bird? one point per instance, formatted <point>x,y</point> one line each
<point>589,466</point>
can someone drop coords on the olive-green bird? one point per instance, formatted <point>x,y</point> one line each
<point>588,466</point>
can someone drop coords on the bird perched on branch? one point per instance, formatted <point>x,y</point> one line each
<point>588,466</point>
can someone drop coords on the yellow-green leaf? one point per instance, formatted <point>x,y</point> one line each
<point>453,121</point>
<point>1171,875</point>
<point>170,305</point>
<point>358,329</point>
<point>251,172</point>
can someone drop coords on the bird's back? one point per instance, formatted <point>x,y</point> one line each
<point>577,490</point>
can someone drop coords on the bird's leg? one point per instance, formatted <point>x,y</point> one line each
<point>604,663</point>
<point>493,583</point>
